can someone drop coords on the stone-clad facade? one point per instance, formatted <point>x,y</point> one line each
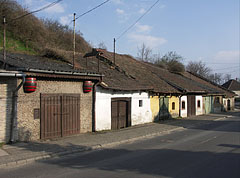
<point>28,127</point>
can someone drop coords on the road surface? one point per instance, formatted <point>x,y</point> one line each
<point>210,150</point>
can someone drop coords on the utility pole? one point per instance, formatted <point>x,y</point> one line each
<point>74,39</point>
<point>4,42</point>
<point>114,48</point>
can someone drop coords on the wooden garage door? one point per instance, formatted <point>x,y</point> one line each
<point>60,115</point>
<point>121,113</point>
<point>191,106</point>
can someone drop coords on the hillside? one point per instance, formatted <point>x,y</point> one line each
<point>31,35</point>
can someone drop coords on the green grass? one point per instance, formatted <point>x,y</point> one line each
<point>14,45</point>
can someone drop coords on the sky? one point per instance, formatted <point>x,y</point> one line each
<point>198,30</point>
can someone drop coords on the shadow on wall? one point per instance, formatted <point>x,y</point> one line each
<point>8,85</point>
<point>225,105</point>
<point>163,113</point>
<point>217,107</point>
<point>24,134</point>
<point>237,103</point>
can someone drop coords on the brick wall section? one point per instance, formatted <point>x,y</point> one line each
<point>29,128</point>
<point>7,86</point>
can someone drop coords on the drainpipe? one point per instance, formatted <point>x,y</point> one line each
<point>14,109</point>
<point>180,106</point>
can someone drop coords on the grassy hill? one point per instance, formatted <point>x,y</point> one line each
<point>14,45</point>
<point>31,35</point>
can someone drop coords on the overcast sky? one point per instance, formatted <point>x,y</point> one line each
<point>206,30</point>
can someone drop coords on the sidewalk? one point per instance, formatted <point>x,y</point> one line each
<point>23,153</point>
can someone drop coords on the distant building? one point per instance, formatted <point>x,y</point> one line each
<point>234,86</point>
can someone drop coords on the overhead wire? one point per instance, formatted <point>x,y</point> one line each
<point>38,10</point>
<point>148,10</point>
<point>234,71</point>
<point>92,9</point>
<point>88,11</point>
<point>228,68</point>
<point>205,62</point>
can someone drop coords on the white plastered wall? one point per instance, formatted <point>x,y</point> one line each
<point>184,111</point>
<point>139,115</point>
<point>199,110</point>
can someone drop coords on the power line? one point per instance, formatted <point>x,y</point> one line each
<point>137,20</point>
<point>41,9</point>
<point>187,61</point>
<point>228,68</point>
<point>92,9</point>
<point>233,63</point>
<point>234,71</point>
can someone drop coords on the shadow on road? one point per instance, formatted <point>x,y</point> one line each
<point>156,162</point>
<point>204,124</point>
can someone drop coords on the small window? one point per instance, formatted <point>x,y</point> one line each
<point>217,100</point>
<point>140,103</point>
<point>199,104</point>
<point>36,113</point>
<point>183,105</point>
<point>173,105</point>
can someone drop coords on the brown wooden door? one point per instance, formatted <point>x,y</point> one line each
<point>60,115</point>
<point>228,105</point>
<point>114,113</point>
<point>70,114</point>
<point>120,113</point>
<point>191,106</point>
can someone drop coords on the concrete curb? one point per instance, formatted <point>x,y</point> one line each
<point>94,147</point>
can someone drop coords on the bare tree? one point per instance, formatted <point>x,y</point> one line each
<point>102,45</point>
<point>216,78</point>
<point>171,61</point>
<point>227,77</point>
<point>199,68</point>
<point>144,53</point>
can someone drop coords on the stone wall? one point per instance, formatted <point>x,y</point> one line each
<point>7,86</point>
<point>29,128</point>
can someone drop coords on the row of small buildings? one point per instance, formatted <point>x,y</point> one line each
<point>43,98</point>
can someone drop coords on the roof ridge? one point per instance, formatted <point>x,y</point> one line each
<point>207,80</point>
<point>118,68</point>
<point>231,82</point>
<point>167,81</point>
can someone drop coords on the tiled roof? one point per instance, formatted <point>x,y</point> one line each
<point>232,85</point>
<point>160,79</point>
<point>29,62</point>
<point>126,74</point>
<point>178,80</point>
<point>115,77</point>
<point>135,70</point>
<point>208,83</point>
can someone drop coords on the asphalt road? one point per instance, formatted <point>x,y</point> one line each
<point>210,150</point>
